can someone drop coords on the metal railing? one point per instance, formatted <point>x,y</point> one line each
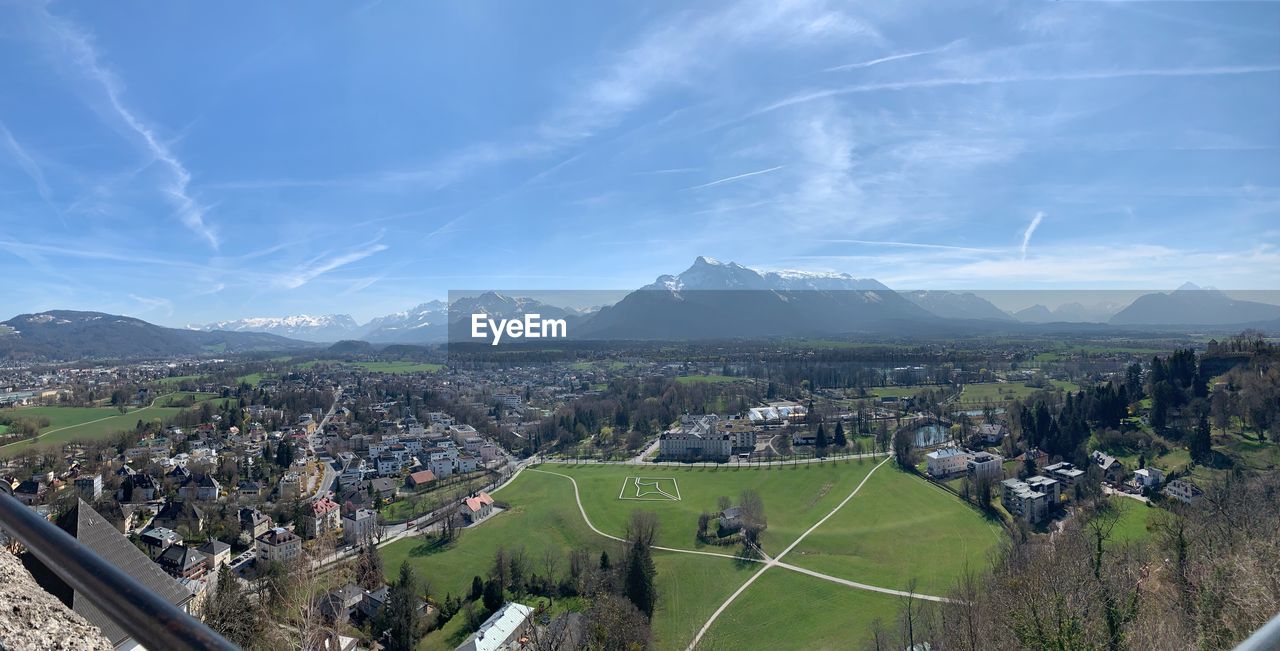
<point>1266,638</point>
<point>147,618</point>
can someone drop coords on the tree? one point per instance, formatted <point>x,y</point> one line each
<point>369,572</point>
<point>751,511</point>
<point>840,441</point>
<point>640,572</point>
<point>1201,441</point>
<point>398,619</point>
<point>604,560</point>
<point>615,623</point>
<point>904,450</point>
<point>493,595</point>
<point>225,612</point>
<point>820,441</point>
<point>477,588</point>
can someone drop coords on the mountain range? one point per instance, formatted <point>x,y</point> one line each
<point>709,300</point>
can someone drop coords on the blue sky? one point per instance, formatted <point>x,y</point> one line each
<point>186,162</point>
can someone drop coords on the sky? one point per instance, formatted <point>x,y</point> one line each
<point>188,162</point>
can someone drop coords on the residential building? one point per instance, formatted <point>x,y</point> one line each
<point>1184,491</point>
<point>90,487</point>
<point>501,630</point>
<point>202,488</point>
<point>218,553</point>
<point>253,522</point>
<point>1148,477</point>
<point>985,465</point>
<point>157,539</point>
<point>1111,467</point>
<point>31,491</point>
<point>358,526</point>
<point>137,487</point>
<point>322,516</point>
<point>182,562</point>
<point>1065,472</point>
<point>279,545</point>
<point>179,513</point>
<point>1032,499</point>
<point>991,433</point>
<point>477,508</point>
<point>947,461</point>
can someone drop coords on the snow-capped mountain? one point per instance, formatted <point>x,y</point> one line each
<point>328,327</point>
<point>711,274</point>
<point>425,322</point>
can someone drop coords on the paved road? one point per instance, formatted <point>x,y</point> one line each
<point>316,443</point>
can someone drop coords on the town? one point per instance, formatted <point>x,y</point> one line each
<point>330,493</point>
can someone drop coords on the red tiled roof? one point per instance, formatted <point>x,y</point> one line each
<point>323,506</point>
<point>422,477</point>
<point>475,503</point>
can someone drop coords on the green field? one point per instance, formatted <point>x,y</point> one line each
<point>399,367</point>
<point>68,424</point>
<point>781,603</point>
<point>794,497</point>
<point>252,379</point>
<point>898,528</point>
<point>1004,391</point>
<point>701,379</point>
<point>1135,520</point>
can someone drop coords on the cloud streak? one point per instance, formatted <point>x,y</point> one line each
<point>887,59</point>
<point>71,39</point>
<point>736,177</point>
<point>1026,235</point>
<point>323,264</point>
<point>27,163</point>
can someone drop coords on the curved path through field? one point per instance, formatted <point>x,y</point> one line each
<point>767,562</point>
<point>36,439</point>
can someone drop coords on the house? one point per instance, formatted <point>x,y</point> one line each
<point>1184,491</point>
<point>730,520</point>
<point>90,487</point>
<point>157,539</point>
<point>102,538</point>
<point>182,562</point>
<point>1148,477</point>
<point>278,545</point>
<point>249,490</point>
<point>322,516</point>
<point>179,513</point>
<point>218,552</point>
<point>1111,467</point>
<point>202,488</point>
<point>253,522</point>
<point>336,605</point>
<point>475,509</point>
<point>985,465</point>
<point>419,479</point>
<point>31,491</point>
<point>137,487</point>
<point>384,487</point>
<point>947,461</point>
<point>991,433</point>
<point>502,630</point>
<point>371,601</point>
<point>1065,472</point>
<point>359,526</point>
<point>290,485</point>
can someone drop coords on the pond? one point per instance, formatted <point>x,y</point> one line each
<point>932,435</point>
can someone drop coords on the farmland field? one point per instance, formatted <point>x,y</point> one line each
<point>896,520</point>
<point>1002,391</point>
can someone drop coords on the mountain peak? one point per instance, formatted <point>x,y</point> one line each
<point>1189,287</point>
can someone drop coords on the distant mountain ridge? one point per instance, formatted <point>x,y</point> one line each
<point>1192,305</point>
<point>71,334</point>
<point>328,327</point>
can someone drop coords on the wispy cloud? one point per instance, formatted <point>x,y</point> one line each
<point>1087,75</point>
<point>323,264</point>
<point>71,39</point>
<point>890,58</point>
<point>26,162</point>
<point>736,177</point>
<point>1026,234</point>
<point>153,304</point>
<point>913,245</point>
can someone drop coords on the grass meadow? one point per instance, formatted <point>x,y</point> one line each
<point>897,527</point>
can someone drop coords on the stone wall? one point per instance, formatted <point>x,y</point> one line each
<point>34,620</point>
